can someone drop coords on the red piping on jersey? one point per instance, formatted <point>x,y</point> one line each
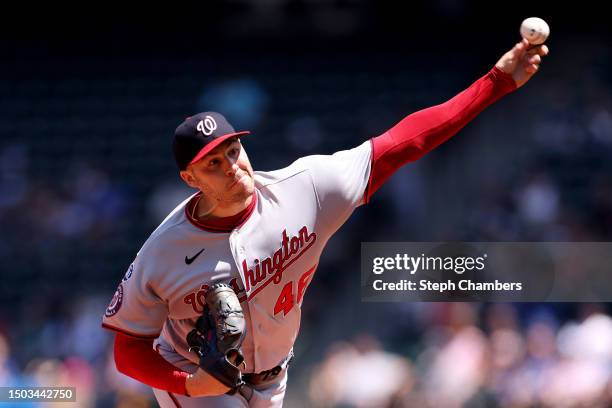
<point>366,194</point>
<point>225,224</point>
<point>173,398</point>
<point>136,358</point>
<point>422,131</point>
<point>127,333</point>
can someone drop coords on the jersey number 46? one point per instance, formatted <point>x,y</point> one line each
<point>285,301</point>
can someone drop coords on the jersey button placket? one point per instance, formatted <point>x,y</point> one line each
<point>236,246</point>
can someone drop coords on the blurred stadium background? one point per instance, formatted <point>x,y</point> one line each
<point>88,105</point>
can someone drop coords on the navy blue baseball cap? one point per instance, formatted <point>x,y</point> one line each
<point>198,135</point>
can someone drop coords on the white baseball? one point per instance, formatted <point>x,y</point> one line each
<point>535,30</point>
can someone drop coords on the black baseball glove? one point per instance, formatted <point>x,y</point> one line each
<point>218,335</point>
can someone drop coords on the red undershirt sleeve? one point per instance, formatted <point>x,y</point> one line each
<point>136,358</point>
<point>424,130</point>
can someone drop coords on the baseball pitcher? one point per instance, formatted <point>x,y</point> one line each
<point>208,312</point>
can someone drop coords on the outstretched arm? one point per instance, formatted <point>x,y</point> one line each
<point>424,130</point>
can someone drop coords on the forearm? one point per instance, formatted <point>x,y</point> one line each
<point>424,130</point>
<point>137,359</point>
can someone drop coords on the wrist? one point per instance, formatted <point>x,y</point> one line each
<point>193,384</point>
<point>188,382</point>
<point>504,79</point>
<point>201,384</point>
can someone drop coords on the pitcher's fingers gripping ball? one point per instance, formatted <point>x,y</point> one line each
<point>535,31</point>
<point>219,334</point>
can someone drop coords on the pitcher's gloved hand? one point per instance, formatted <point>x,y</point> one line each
<point>218,335</point>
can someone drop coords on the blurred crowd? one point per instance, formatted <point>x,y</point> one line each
<point>475,357</point>
<point>67,351</point>
<point>74,211</point>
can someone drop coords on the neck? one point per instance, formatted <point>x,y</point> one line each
<point>206,209</point>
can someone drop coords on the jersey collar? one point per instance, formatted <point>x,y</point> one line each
<point>226,224</point>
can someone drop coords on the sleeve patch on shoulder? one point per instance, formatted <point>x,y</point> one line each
<point>115,303</point>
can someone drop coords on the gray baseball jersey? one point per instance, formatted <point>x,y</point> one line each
<point>269,260</point>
